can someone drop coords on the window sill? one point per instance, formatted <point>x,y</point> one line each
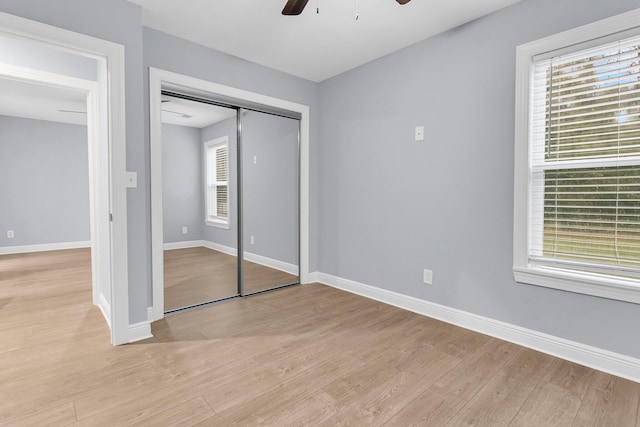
<point>217,224</point>
<point>583,283</point>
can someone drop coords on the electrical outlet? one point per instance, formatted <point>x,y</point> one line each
<point>419,133</point>
<point>184,230</point>
<point>427,277</point>
<point>252,240</point>
<point>10,234</point>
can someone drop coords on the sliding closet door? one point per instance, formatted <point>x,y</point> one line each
<point>270,205</point>
<point>199,144</point>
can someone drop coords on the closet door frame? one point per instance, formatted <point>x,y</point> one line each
<point>159,78</point>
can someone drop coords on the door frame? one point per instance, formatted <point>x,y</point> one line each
<point>107,155</point>
<point>157,78</point>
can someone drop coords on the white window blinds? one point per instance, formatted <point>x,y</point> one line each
<point>217,197</point>
<point>584,162</point>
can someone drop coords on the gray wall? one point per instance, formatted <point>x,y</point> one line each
<point>270,187</point>
<point>33,55</point>
<point>390,206</point>
<point>182,183</point>
<point>225,236</point>
<point>44,182</point>
<point>121,22</point>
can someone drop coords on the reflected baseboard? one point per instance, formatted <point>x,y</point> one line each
<point>220,248</point>
<point>272,263</point>
<point>258,259</point>
<point>183,245</point>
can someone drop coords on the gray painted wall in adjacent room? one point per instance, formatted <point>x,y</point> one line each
<point>44,182</point>
<point>182,183</point>
<point>270,186</point>
<point>448,201</point>
<point>120,22</point>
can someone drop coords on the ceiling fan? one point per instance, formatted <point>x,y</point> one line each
<point>295,7</point>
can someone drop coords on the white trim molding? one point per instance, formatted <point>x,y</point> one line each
<point>314,277</point>
<point>218,247</point>
<point>105,308</point>
<point>140,331</point>
<point>183,245</point>
<point>593,357</point>
<point>7,250</point>
<point>271,263</point>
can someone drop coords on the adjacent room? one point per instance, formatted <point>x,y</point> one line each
<point>282,212</point>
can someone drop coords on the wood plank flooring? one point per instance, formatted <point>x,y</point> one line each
<point>196,275</point>
<point>306,355</point>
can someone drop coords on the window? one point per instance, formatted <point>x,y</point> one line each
<point>217,182</point>
<point>577,212</point>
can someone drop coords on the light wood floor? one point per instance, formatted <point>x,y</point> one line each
<point>306,355</point>
<point>196,275</point>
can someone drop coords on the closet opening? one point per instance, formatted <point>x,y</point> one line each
<point>231,205</point>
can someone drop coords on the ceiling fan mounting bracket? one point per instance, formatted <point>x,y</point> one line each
<point>295,7</point>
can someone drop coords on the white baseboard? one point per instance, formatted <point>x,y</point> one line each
<point>312,277</point>
<point>272,263</point>
<point>105,308</point>
<point>593,357</point>
<point>140,331</point>
<point>7,250</point>
<point>183,245</point>
<point>220,248</point>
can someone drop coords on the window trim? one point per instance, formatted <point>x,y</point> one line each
<point>218,222</point>
<point>557,278</point>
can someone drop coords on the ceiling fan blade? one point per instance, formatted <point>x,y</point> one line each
<point>294,7</point>
<point>403,1</point>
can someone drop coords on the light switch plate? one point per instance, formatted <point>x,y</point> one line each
<point>427,277</point>
<point>132,179</point>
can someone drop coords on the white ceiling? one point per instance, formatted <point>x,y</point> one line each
<point>182,112</point>
<point>312,46</point>
<point>32,101</point>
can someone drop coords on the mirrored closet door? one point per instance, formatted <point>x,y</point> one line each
<point>270,205</point>
<point>199,158</point>
<point>230,177</point>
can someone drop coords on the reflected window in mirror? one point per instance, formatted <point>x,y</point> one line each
<point>217,182</point>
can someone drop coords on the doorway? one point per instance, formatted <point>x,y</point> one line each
<point>255,262</point>
<point>106,148</point>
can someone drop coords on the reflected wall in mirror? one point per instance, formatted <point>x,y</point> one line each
<point>199,143</point>
<point>270,192</point>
